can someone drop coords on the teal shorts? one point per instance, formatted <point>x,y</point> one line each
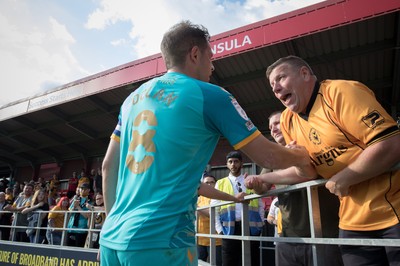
<point>168,257</point>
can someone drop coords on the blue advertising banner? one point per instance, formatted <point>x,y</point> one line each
<point>12,253</point>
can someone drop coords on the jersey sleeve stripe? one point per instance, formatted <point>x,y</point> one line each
<point>117,131</point>
<point>384,135</point>
<point>115,137</point>
<point>247,140</point>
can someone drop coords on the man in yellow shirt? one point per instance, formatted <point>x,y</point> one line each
<point>354,143</point>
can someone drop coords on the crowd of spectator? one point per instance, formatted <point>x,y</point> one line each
<point>39,211</point>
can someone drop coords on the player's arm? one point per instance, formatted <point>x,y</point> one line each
<point>373,161</point>
<point>110,173</point>
<point>258,148</point>
<point>204,212</point>
<point>274,156</point>
<point>213,193</point>
<point>287,176</point>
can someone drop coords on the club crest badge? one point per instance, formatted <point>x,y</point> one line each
<point>314,136</point>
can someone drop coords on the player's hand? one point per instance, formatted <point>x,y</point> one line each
<point>240,197</point>
<point>257,184</point>
<point>304,158</point>
<point>305,168</point>
<point>253,182</point>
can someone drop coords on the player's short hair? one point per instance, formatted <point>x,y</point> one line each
<point>179,40</point>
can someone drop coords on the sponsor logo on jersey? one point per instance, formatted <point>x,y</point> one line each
<point>249,125</point>
<point>314,136</point>
<point>373,119</point>
<point>328,155</point>
<point>239,109</point>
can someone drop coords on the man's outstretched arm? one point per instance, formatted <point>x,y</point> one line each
<point>270,155</point>
<point>261,183</point>
<point>213,193</point>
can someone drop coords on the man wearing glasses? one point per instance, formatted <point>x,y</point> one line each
<point>229,217</point>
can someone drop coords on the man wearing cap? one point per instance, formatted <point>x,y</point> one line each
<point>228,218</point>
<point>79,217</point>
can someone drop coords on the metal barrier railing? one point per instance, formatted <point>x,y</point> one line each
<point>314,216</point>
<point>315,227</point>
<point>90,230</point>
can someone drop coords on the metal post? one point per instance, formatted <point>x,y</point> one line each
<point>246,254</point>
<point>66,216</point>
<point>213,253</point>
<point>14,223</point>
<point>315,223</point>
<point>37,231</point>
<point>91,227</point>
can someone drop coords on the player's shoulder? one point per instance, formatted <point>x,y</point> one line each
<point>210,88</point>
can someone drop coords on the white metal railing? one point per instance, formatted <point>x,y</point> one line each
<point>314,215</point>
<point>90,230</point>
<point>315,226</point>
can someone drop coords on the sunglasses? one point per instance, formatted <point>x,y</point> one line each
<point>239,187</point>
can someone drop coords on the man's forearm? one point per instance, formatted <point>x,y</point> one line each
<point>287,176</point>
<point>213,193</point>
<point>373,161</point>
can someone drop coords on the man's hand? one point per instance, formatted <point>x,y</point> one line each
<point>76,203</point>
<point>20,209</point>
<point>255,183</point>
<point>240,197</point>
<point>337,189</point>
<point>304,157</point>
<point>306,170</point>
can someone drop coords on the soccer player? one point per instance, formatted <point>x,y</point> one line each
<point>166,133</point>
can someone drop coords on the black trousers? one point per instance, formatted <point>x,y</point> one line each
<point>298,254</point>
<point>76,239</point>
<point>5,233</point>
<point>21,237</point>
<point>232,250</point>
<point>371,255</point>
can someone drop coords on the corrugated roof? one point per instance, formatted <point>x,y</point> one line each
<point>364,47</point>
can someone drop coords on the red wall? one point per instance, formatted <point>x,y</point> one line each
<point>222,149</point>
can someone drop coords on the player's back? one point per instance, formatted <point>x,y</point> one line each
<point>162,129</point>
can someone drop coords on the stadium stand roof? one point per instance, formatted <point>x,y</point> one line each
<point>341,39</point>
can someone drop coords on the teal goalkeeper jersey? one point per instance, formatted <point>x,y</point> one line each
<point>168,130</point>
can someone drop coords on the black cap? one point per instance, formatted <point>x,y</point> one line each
<point>234,154</point>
